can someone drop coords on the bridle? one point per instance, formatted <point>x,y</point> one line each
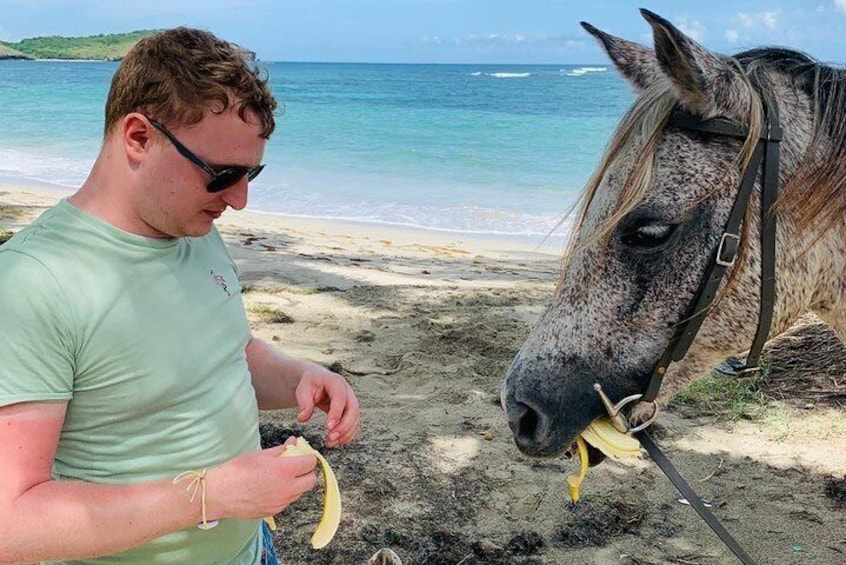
<point>766,158</point>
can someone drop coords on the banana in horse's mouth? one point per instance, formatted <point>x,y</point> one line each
<point>602,435</point>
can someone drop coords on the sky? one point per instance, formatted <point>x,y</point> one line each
<point>444,31</point>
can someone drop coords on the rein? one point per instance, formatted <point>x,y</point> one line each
<point>766,158</point>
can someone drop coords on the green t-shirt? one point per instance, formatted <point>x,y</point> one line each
<point>145,338</point>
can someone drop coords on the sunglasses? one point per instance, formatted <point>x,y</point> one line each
<point>222,178</point>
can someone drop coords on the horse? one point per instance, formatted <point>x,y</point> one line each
<point>652,219</point>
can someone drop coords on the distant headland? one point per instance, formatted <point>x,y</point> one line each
<point>109,47</point>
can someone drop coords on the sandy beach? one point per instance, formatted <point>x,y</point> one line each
<point>424,325</point>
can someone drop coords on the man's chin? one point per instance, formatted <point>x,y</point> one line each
<point>199,231</point>
<point>199,228</point>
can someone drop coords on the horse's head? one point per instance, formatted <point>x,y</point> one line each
<point>650,221</point>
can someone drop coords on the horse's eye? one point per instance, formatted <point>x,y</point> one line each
<point>648,235</point>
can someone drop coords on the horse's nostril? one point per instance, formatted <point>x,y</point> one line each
<point>528,424</point>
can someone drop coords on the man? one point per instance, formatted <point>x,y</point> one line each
<point>129,382</point>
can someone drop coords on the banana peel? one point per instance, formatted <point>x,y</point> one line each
<point>602,435</point>
<point>575,481</point>
<point>331,518</point>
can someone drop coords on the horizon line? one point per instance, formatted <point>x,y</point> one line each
<point>311,62</point>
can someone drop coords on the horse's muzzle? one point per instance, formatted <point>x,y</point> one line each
<point>546,419</point>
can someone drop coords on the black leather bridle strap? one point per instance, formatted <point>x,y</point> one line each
<point>723,258</point>
<point>684,489</point>
<point>716,126</point>
<point>769,194</point>
<point>766,152</point>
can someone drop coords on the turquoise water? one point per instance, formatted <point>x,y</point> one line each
<point>468,148</point>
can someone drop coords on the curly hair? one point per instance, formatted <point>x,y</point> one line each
<point>179,74</point>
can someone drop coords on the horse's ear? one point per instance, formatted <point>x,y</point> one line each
<point>697,75</point>
<point>636,62</point>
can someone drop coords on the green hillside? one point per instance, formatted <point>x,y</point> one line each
<point>9,53</point>
<point>95,47</point>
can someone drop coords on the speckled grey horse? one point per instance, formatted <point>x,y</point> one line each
<point>650,220</point>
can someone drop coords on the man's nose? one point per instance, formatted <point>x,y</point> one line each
<point>236,195</point>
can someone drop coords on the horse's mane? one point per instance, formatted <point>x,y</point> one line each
<point>815,193</point>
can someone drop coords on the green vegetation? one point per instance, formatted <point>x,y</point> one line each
<point>723,396</point>
<point>9,53</point>
<point>94,47</point>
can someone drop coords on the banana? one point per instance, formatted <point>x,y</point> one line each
<point>602,435</point>
<point>331,518</point>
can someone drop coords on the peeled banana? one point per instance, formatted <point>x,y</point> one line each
<point>331,518</point>
<point>602,435</point>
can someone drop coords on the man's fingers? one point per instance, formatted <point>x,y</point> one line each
<point>347,426</point>
<point>349,434</point>
<point>303,464</point>
<point>343,409</point>
<point>339,396</point>
<point>296,465</point>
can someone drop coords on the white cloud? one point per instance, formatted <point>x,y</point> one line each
<point>692,28</point>
<point>511,45</point>
<point>508,39</point>
<point>840,5</point>
<point>769,20</point>
<point>758,27</point>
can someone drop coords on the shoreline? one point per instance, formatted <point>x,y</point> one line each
<point>34,193</point>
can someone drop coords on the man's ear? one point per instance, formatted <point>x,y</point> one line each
<point>134,131</point>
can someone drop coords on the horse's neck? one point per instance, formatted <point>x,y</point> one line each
<point>812,269</point>
<point>830,297</point>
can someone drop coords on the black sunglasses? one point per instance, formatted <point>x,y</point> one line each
<point>221,179</point>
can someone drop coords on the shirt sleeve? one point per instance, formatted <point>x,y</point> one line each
<point>36,351</point>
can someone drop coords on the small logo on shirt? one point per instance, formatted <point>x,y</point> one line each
<point>221,282</point>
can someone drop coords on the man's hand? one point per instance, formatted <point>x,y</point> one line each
<point>283,382</point>
<point>321,388</point>
<point>259,483</point>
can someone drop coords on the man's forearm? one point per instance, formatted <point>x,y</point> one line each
<point>59,520</point>
<point>274,375</point>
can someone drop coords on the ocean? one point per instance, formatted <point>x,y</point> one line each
<point>483,149</point>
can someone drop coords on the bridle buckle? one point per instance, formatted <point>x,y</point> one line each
<point>620,423</point>
<point>723,247</point>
